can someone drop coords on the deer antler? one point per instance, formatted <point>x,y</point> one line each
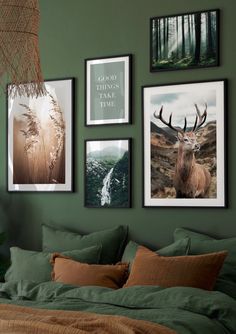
<point>169,123</point>
<point>200,119</point>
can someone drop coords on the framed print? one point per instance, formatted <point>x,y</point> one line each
<point>108,173</point>
<point>40,139</point>
<point>184,41</point>
<point>184,145</point>
<point>108,90</point>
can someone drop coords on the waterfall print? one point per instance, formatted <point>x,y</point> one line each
<point>106,196</point>
<point>184,41</point>
<point>107,173</point>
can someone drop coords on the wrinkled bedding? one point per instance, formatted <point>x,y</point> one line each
<point>185,310</point>
<point>27,320</point>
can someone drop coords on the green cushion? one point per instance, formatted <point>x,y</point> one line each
<point>129,252</point>
<point>112,241</point>
<point>201,244</point>
<point>178,248</point>
<point>181,233</point>
<point>35,266</point>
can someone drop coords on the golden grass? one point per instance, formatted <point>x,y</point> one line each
<point>39,149</point>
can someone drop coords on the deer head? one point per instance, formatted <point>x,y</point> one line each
<point>187,138</point>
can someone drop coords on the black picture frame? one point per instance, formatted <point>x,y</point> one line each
<point>108,89</point>
<point>120,160</point>
<point>170,59</point>
<point>64,88</point>
<point>152,197</point>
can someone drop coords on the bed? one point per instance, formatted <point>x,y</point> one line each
<point>54,307</point>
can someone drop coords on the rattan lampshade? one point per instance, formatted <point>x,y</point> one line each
<point>19,49</point>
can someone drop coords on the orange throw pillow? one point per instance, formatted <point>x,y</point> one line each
<point>68,271</point>
<point>197,271</point>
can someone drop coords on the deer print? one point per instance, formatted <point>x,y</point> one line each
<point>191,180</point>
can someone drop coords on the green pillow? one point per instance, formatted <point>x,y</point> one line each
<point>201,244</point>
<point>181,233</point>
<point>112,241</point>
<point>35,266</point>
<point>178,248</point>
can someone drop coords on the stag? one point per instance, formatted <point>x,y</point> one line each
<point>191,180</point>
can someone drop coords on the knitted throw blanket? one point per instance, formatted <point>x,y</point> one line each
<point>25,320</point>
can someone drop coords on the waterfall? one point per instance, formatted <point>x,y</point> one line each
<point>105,196</point>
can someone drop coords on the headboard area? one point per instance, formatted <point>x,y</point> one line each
<point>72,32</point>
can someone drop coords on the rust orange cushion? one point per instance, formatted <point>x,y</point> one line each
<point>198,271</point>
<point>68,271</point>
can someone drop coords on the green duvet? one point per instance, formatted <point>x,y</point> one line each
<point>186,310</point>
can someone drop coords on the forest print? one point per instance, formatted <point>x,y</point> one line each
<point>184,41</point>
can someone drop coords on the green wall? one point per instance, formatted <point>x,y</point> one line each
<point>72,30</point>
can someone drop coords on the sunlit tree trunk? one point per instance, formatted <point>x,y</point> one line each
<point>213,19</point>
<point>210,51</point>
<point>197,19</point>
<point>177,38</point>
<point>192,33</point>
<point>154,40</point>
<point>183,38</point>
<point>167,38</point>
<point>159,39</point>
<point>189,35</point>
<point>164,38</point>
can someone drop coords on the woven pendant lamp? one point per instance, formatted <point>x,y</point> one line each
<point>19,49</point>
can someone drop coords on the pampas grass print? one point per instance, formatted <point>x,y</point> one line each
<point>31,134</point>
<point>39,148</point>
<point>58,124</point>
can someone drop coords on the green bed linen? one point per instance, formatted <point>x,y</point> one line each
<point>187,310</point>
